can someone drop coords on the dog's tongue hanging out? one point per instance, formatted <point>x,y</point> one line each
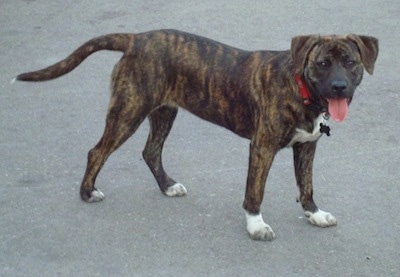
<point>338,109</point>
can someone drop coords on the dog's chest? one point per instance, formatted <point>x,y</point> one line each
<point>303,136</point>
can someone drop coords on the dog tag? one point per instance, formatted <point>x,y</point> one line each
<point>324,129</point>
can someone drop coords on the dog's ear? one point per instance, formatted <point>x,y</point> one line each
<point>369,48</point>
<point>300,48</point>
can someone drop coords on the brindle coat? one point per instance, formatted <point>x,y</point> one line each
<point>253,94</point>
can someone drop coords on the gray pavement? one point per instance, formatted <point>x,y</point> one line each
<point>47,128</point>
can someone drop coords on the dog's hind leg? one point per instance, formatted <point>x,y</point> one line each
<point>161,121</point>
<point>123,119</point>
<point>117,131</point>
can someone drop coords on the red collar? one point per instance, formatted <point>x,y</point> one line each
<point>305,93</point>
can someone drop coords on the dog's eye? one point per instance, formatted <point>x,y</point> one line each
<point>324,64</point>
<point>350,64</point>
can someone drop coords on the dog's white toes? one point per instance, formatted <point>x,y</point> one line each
<point>96,196</point>
<point>258,229</point>
<point>176,190</point>
<point>263,233</point>
<point>321,218</point>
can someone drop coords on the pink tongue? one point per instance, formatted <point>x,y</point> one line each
<point>338,109</point>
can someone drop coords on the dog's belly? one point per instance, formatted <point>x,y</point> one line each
<point>218,102</point>
<point>235,116</point>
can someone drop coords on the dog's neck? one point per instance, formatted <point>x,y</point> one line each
<point>305,93</point>
<point>313,105</point>
<point>308,101</point>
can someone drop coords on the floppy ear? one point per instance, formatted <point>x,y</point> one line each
<point>369,48</point>
<point>300,48</point>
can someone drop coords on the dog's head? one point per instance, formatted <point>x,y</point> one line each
<point>332,67</point>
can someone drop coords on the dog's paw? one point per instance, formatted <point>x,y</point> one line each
<point>176,190</point>
<point>321,218</point>
<point>258,229</point>
<point>95,196</point>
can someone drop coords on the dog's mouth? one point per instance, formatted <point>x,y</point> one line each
<point>338,108</point>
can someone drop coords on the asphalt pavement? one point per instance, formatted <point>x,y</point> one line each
<point>46,130</point>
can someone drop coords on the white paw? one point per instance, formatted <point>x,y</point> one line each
<point>176,190</point>
<point>96,196</point>
<point>321,218</point>
<point>257,228</point>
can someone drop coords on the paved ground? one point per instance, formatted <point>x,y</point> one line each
<point>46,130</point>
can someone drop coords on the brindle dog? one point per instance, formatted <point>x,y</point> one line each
<point>253,94</point>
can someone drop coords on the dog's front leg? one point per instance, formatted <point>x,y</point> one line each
<point>261,157</point>
<point>303,154</point>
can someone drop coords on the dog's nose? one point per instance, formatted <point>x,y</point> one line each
<point>339,86</point>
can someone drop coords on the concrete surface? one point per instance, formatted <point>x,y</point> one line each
<point>46,130</point>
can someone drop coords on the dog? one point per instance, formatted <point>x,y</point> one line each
<point>276,99</point>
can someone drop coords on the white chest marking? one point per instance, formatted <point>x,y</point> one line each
<point>304,136</point>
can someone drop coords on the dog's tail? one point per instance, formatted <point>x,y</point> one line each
<point>113,42</point>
